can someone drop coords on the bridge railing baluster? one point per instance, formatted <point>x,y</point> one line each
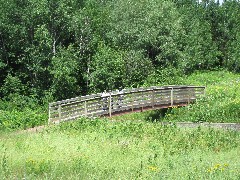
<point>126,100</point>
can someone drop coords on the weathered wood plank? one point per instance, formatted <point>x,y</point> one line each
<point>127,99</point>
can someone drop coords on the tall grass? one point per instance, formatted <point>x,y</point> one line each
<point>222,101</point>
<point>133,146</point>
<point>101,149</point>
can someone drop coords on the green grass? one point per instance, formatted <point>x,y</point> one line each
<point>101,149</point>
<point>221,104</point>
<point>222,101</point>
<point>132,146</point>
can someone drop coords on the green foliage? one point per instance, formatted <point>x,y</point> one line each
<point>164,76</point>
<point>111,69</point>
<point>149,39</point>
<point>21,112</point>
<point>230,11</point>
<point>137,68</point>
<point>107,69</point>
<point>222,101</point>
<point>151,26</point>
<point>12,85</point>
<point>199,48</point>
<point>37,167</point>
<point>64,70</point>
<point>52,50</point>
<point>12,120</point>
<point>233,62</point>
<point>92,149</point>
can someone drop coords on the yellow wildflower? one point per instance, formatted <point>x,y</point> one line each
<point>152,168</point>
<point>226,165</point>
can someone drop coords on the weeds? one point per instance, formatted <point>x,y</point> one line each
<point>126,150</point>
<point>133,146</point>
<point>221,104</point>
<point>4,162</point>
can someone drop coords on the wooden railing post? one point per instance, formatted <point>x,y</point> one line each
<point>110,104</point>
<point>59,112</point>
<point>132,101</point>
<point>188,96</point>
<point>85,108</point>
<point>153,101</point>
<point>172,97</point>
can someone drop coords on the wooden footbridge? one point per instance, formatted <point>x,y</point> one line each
<point>126,100</point>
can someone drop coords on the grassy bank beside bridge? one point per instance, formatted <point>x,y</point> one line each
<point>101,149</point>
<point>222,101</point>
<point>222,104</point>
<point>132,146</point>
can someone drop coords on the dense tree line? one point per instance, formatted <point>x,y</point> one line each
<point>61,49</point>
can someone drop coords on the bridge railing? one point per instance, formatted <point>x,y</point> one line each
<point>137,99</point>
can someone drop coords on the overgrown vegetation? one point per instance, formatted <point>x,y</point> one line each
<point>99,149</point>
<point>52,50</point>
<point>222,101</point>
<point>221,104</point>
<point>61,49</point>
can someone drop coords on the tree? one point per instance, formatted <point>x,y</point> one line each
<point>64,71</point>
<point>231,23</point>
<point>89,25</point>
<point>233,63</point>
<point>199,49</point>
<point>107,69</point>
<point>136,68</point>
<point>151,26</point>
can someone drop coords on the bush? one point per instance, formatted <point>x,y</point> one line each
<point>21,112</point>
<point>26,118</point>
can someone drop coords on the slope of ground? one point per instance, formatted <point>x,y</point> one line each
<point>135,146</point>
<point>99,149</point>
<point>222,101</point>
<point>221,104</point>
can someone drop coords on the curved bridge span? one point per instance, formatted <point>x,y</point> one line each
<point>126,100</point>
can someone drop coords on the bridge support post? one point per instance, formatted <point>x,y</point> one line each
<point>85,108</point>
<point>172,97</point>
<point>153,97</point>
<point>110,105</point>
<point>59,113</point>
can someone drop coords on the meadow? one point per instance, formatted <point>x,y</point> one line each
<point>54,50</point>
<point>103,149</point>
<point>222,101</point>
<point>132,146</point>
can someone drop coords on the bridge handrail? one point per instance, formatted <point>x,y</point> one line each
<point>125,100</point>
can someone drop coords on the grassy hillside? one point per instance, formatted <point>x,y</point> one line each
<point>221,104</point>
<point>222,101</point>
<point>99,149</point>
<point>133,146</point>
